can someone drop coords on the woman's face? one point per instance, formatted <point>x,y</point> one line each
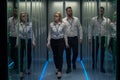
<point>56,17</point>
<point>23,17</point>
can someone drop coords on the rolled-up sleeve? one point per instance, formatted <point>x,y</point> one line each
<point>65,34</point>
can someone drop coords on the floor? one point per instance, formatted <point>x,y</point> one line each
<point>44,70</point>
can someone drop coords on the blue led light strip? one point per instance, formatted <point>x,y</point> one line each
<point>44,70</point>
<point>85,72</point>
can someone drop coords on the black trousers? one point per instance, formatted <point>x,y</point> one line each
<point>13,51</point>
<point>58,46</point>
<point>73,45</point>
<point>22,49</point>
<point>95,47</point>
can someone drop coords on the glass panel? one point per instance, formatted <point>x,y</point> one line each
<point>12,14</point>
<point>31,51</point>
<point>100,60</point>
<point>10,58</point>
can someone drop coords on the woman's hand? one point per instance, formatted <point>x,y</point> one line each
<point>67,45</point>
<point>48,45</point>
<point>34,44</point>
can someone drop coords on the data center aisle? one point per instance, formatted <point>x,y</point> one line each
<point>42,70</point>
<point>74,75</point>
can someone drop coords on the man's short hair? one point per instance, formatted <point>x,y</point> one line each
<point>69,7</point>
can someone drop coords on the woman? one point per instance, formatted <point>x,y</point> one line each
<point>57,40</point>
<point>26,37</point>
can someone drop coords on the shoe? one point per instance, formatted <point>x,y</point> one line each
<point>68,70</point>
<point>74,66</point>
<point>59,75</point>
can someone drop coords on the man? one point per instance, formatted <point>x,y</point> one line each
<point>74,34</point>
<point>12,34</point>
<point>97,31</point>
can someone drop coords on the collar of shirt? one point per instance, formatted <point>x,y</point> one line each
<point>14,19</point>
<point>103,18</point>
<point>68,19</point>
<point>57,23</point>
<point>21,23</point>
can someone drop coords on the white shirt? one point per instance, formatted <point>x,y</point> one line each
<point>57,31</point>
<point>25,31</point>
<point>99,27</point>
<point>74,27</point>
<point>12,23</point>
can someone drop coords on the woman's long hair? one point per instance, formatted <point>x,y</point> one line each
<point>21,16</point>
<point>60,19</point>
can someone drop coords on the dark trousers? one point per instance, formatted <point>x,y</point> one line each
<point>22,49</point>
<point>58,46</point>
<point>95,47</point>
<point>73,45</point>
<point>13,51</point>
<point>112,46</point>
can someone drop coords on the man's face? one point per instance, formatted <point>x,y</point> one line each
<point>15,12</point>
<point>101,12</point>
<point>69,12</point>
